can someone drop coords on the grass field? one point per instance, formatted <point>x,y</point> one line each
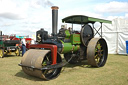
<point>115,72</point>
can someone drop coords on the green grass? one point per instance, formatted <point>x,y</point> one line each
<point>115,72</point>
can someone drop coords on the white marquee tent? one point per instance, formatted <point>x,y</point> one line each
<point>116,35</point>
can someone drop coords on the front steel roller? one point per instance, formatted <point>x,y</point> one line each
<point>38,59</point>
<point>97,52</point>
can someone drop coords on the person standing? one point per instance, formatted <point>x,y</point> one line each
<point>33,41</point>
<point>23,46</point>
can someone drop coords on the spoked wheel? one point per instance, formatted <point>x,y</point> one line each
<point>71,58</point>
<point>17,52</point>
<point>40,58</point>
<point>1,53</point>
<point>52,73</point>
<point>97,52</point>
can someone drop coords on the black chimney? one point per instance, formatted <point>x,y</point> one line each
<point>54,19</point>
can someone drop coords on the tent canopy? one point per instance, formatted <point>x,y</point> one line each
<point>81,19</point>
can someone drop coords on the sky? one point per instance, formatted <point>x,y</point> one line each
<point>25,17</point>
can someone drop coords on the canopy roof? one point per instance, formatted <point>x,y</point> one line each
<point>81,19</point>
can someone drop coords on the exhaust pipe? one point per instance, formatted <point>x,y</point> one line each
<point>54,19</point>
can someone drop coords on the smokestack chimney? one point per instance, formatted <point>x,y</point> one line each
<point>54,19</point>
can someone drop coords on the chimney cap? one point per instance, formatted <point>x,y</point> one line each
<point>54,7</point>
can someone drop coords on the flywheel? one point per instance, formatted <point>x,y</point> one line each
<point>86,34</point>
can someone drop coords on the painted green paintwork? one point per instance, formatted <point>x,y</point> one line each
<point>1,44</point>
<point>75,39</point>
<point>4,45</point>
<point>67,33</point>
<point>81,19</point>
<point>73,44</point>
<point>68,47</point>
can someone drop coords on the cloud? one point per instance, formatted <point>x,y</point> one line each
<point>7,24</point>
<point>113,17</point>
<point>112,7</point>
<point>11,10</point>
<point>44,3</point>
<point>19,17</point>
<point>11,15</point>
<point>78,11</point>
<point>28,16</point>
<point>41,3</point>
<point>126,15</point>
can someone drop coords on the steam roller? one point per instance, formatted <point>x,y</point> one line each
<point>43,60</point>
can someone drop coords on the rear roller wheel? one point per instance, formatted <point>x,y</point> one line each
<point>97,52</point>
<point>39,59</point>
<point>1,53</point>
